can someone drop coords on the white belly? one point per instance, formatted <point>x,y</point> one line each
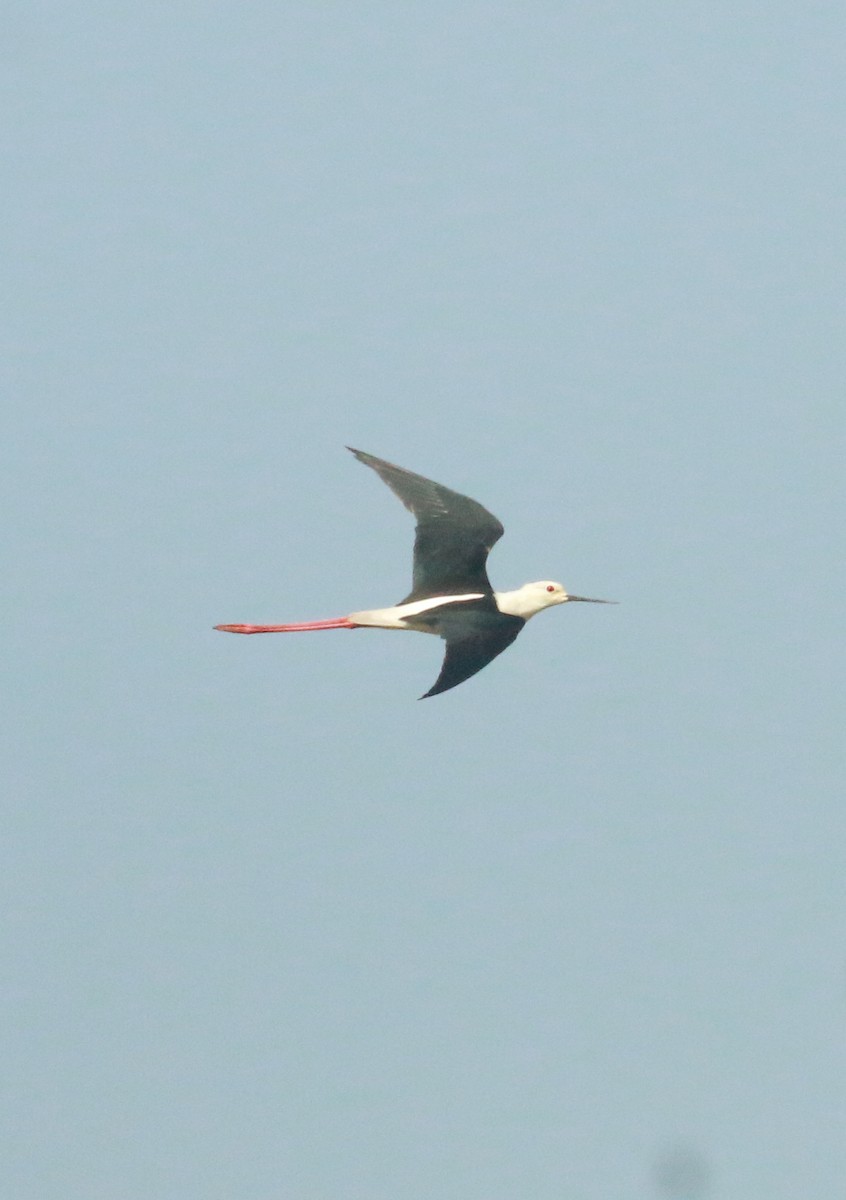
<point>401,616</point>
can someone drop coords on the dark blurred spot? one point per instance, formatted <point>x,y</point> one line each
<point>681,1173</point>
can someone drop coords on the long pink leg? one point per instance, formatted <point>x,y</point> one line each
<point>299,627</point>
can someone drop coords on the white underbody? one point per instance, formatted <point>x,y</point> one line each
<point>401,616</point>
<point>523,602</point>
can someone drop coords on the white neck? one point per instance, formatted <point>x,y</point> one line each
<point>527,600</point>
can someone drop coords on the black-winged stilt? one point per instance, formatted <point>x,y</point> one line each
<point>450,593</point>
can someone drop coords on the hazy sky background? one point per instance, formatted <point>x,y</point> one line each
<point>272,928</point>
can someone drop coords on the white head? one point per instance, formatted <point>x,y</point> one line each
<point>531,598</point>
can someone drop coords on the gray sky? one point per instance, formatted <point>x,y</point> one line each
<point>272,929</point>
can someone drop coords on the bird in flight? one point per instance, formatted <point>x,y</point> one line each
<point>450,595</point>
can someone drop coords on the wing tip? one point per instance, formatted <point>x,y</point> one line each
<point>369,460</point>
<point>438,686</point>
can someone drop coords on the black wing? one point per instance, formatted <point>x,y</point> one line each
<point>454,533</point>
<point>473,639</point>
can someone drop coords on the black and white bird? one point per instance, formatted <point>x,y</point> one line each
<point>451,594</point>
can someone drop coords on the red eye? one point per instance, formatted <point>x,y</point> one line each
<point>550,588</point>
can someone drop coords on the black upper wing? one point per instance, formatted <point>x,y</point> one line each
<point>454,534</point>
<point>473,638</point>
